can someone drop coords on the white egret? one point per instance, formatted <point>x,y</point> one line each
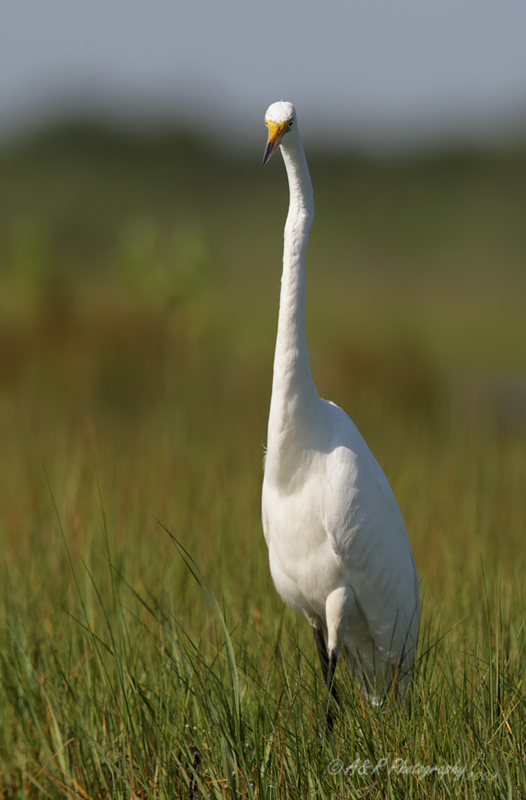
<point>338,546</point>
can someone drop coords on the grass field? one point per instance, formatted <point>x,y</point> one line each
<point>138,302</point>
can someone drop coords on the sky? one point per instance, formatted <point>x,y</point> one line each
<point>383,73</point>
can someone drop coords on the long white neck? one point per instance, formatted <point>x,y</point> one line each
<point>294,397</point>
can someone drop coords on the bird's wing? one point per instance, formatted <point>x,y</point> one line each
<point>367,532</point>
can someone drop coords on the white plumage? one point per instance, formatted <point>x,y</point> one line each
<point>338,546</point>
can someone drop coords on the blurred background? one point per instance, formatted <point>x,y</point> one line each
<point>140,264</point>
<point>140,241</point>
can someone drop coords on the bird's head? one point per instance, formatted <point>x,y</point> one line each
<point>280,120</point>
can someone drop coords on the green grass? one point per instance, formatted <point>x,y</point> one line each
<point>138,618</point>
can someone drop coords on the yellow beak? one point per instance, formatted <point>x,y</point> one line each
<point>275,135</point>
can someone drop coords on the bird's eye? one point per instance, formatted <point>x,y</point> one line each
<point>291,123</point>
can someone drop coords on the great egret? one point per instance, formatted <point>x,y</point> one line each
<point>338,546</point>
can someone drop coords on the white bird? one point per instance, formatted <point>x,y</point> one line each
<point>338,546</point>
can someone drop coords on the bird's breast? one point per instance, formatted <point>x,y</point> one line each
<point>304,566</point>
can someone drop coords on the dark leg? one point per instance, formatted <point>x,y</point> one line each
<point>328,667</point>
<point>322,651</point>
<point>195,767</point>
<point>330,675</point>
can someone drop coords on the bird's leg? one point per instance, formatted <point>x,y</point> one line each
<point>322,651</point>
<point>195,766</point>
<point>338,608</point>
<point>333,659</point>
<point>328,666</point>
<point>331,688</point>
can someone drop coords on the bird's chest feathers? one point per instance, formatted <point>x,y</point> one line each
<point>293,450</point>
<point>303,562</point>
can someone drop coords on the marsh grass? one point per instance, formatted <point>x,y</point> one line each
<point>107,692</point>
<point>138,618</point>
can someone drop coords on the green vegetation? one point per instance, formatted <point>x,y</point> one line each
<point>138,302</point>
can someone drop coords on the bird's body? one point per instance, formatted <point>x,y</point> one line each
<point>338,546</point>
